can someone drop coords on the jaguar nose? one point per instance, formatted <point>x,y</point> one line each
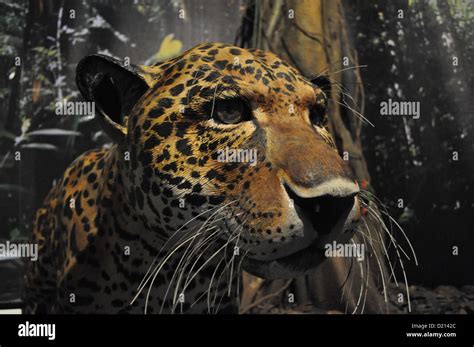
<point>325,207</point>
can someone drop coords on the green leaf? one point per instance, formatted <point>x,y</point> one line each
<point>15,234</point>
<point>7,134</point>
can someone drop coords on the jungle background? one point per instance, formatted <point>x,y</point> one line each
<point>424,55</point>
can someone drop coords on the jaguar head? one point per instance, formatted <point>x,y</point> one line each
<point>234,138</point>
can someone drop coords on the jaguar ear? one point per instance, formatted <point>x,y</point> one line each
<point>114,87</point>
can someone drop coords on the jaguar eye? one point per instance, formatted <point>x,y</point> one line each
<point>231,111</point>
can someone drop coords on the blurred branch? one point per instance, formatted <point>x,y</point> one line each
<point>265,298</point>
<point>58,50</point>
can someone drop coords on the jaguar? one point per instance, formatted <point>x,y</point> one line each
<point>160,221</point>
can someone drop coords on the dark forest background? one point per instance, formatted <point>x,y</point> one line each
<point>405,59</point>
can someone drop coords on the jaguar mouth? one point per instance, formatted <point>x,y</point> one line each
<point>289,266</point>
<point>324,219</point>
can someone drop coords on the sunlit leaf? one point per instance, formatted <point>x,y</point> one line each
<point>54,132</point>
<point>46,146</point>
<point>169,48</point>
<point>25,125</point>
